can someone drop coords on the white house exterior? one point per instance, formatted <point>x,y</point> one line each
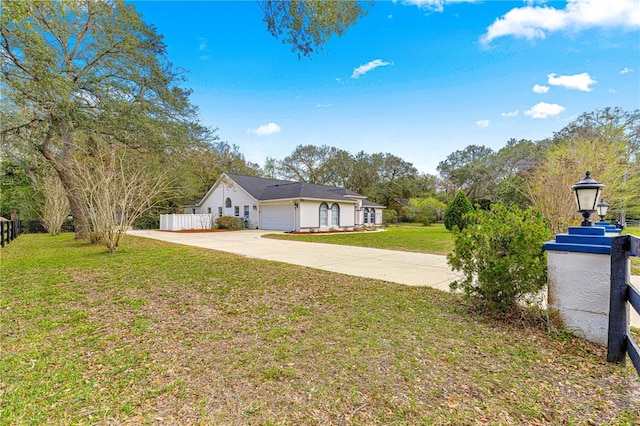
<point>285,205</point>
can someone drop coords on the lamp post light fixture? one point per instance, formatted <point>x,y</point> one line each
<point>602,208</point>
<point>587,193</point>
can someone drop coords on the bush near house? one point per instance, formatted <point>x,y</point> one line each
<point>499,253</point>
<point>454,214</point>
<point>229,222</point>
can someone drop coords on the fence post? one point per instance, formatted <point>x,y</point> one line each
<point>2,232</point>
<point>618,309</point>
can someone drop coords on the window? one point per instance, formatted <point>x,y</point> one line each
<point>246,212</point>
<point>219,211</point>
<point>227,203</point>
<point>366,215</point>
<point>193,211</point>
<point>323,214</point>
<point>372,216</point>
<point>335,215</point>
<point>209,210</point>
<point>236,211</point>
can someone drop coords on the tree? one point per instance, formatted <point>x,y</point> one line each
<point>454,215</point>
<point>500,256</point>
<point>56,204</point>
<point>77,71</point>
<point>424,210</point>
<point>307,25</point>
<point>115,187</point>
<point>469,170</point>
<point>312,164</point>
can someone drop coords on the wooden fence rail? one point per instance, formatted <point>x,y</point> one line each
<point>621,342</point>
<point>9,231</point>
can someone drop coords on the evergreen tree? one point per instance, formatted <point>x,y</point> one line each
<point>454,214</point>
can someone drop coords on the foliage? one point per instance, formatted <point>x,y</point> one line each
<point>424,210</point>
<point>229,222</point>
<point>513,191</point>
<point>454,215</point>
<point>469,170</point>
<point>56,204</point>
<point>115,188</point>
<point>500,256</point>
<point>307,25</point>
<point>78,71</point>
<point>389,216</point>
<point>17,191</point>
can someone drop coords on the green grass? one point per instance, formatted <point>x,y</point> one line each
<point>635,260</point>
<point>433,239</point>
<point>159,333</point>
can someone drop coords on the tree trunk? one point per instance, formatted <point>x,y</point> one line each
<point>80,221</point>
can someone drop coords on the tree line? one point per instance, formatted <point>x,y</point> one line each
<point>95,119</point>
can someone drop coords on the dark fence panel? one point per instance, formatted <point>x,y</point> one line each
<point>9,231</point>
<point>621,343</point>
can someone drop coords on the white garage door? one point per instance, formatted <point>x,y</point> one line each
<point>277,217</point>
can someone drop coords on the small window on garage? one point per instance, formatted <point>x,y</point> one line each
<point>219,211</point>
<point>236,211</point>
<point>227,203</point>
<point>193,211</point>
<point>246,212</point>
<point>209,210</point>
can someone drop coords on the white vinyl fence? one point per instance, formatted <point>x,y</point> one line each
<point>178,222</point>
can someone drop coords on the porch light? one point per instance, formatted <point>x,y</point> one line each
<point>587,193</point>
<point>602,208</point>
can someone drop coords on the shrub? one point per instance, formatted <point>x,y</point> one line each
<point>389,216</point>
<point>229,222</point>
<point>500,256</point>
<point>424,210</point>
<point>454,214</point>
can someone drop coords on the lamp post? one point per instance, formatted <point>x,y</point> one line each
<point>587,192</point>
<point>602,208</point>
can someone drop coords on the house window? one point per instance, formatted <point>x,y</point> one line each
<point>246,212</point>
<point>219,211</point>
<point>366,216</point>
<point>335,215</point>
<point>323,214</point>
<point>193,211</point>
<point>236,211</point>
<point>209,210</point>
<point>227,203</point>
<point>372,216</point>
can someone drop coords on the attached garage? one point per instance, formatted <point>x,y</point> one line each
<point>280,217</point>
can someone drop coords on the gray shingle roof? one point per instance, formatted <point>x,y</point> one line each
<point>274,189</point>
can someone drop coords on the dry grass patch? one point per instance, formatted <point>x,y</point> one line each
<point>159,333</point>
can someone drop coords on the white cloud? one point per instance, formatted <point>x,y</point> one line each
<point>544,110</point>
<point>577,81</point>
<point>266,129</point>
<point>533,22</point>
<point>540,89</point>
<point>625,70</point>
<point>365,68</point>
<point>482,123</point>
<point>202,46</point>
<point>433,5</point>
<point>510,114</point>
<point>324,105</point>
<point>613,91</point>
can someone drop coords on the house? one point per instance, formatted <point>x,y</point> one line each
<point>285,205</point>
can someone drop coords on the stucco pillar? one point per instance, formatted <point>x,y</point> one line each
<point>579,271</point>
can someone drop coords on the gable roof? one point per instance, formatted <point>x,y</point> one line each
<point>263,189</point>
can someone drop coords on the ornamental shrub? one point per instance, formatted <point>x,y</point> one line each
<point>229,222</point>
<point>499,254</point>
<point>456,210</point>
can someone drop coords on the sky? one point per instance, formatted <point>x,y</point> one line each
<point>418,79</point>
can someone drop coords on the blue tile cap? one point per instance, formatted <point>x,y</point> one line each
<point>581,239</point>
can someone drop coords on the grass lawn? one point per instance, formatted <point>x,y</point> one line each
<point>160,333</point>
<point>433,239</point>
<point>635,261</point>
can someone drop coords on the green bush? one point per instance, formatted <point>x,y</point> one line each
<point>424,210</point>
<point>229,222</point>
<point>500,256</point>
<point>456,210</point>
<point>389,216</point>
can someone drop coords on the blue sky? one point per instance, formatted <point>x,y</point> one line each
<point>418,79</point>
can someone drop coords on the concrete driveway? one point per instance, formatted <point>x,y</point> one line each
<point>416,269</point>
